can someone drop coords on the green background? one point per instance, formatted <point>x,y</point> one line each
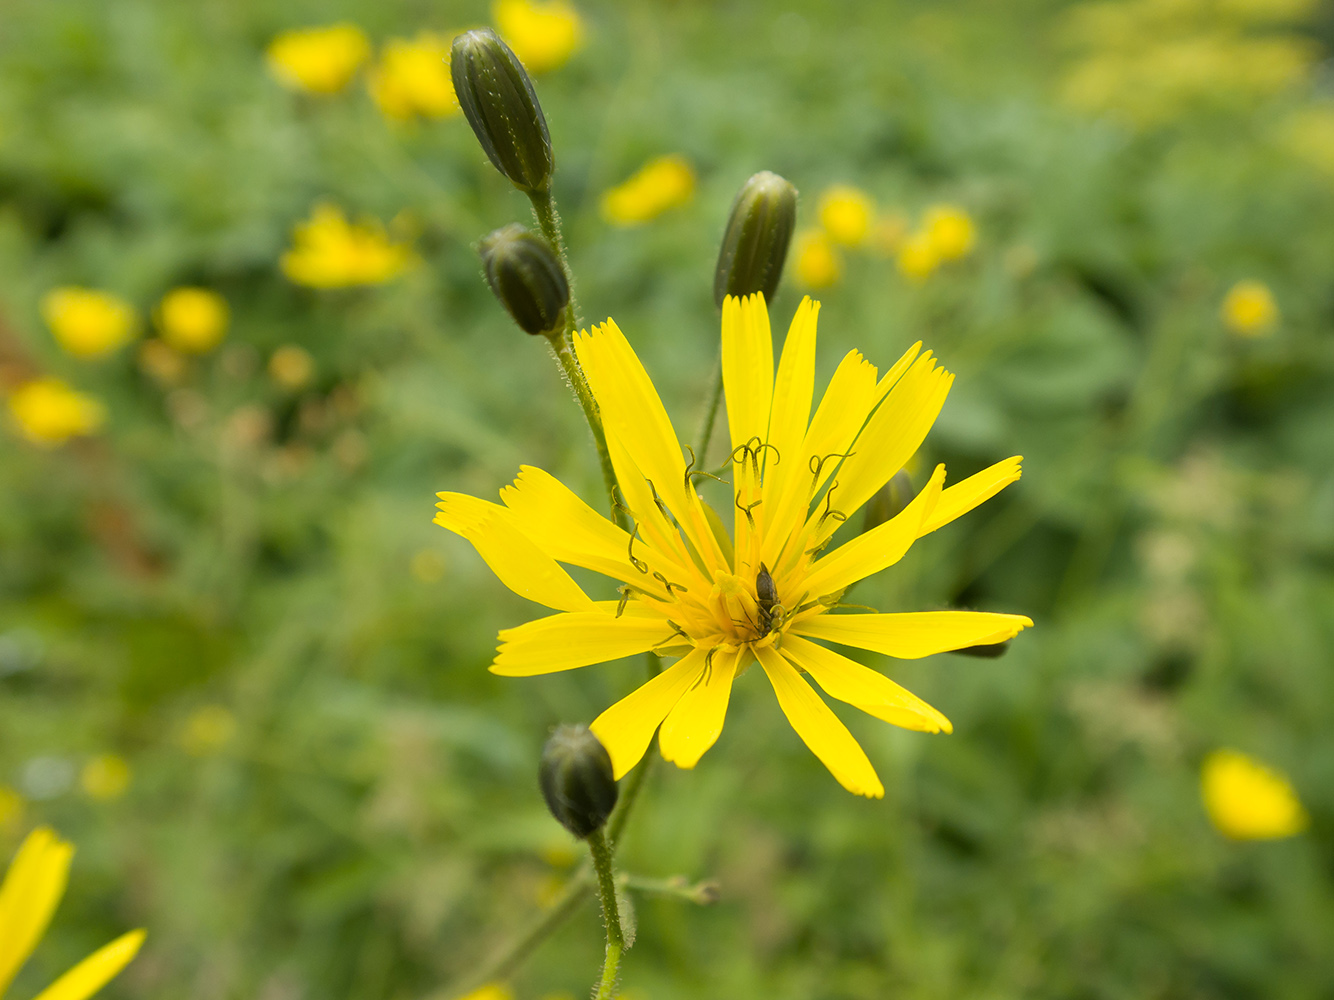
<point>374,828</point>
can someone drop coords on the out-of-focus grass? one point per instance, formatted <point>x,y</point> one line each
<point>363,820</point>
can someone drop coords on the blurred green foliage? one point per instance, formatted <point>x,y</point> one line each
<point>373,828</point>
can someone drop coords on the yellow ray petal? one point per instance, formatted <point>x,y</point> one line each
<point>696,722</point>
<point>577,639</point>
<point>96,970</point>
<point>869,690</point>
<point>877,549</point>
<point>512,555</point>
<point>845,406</point>
<point>895,431</point>
<point>794,388</point>
<point>633,412</point>
<point>819,728</point>
<point>748,367</point>
<point>28,897</point>
<point>963,496</point>
<point>626,728</point>
<point>915,634</point>
<point>570,531</point>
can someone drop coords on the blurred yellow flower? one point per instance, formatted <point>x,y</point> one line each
<point>412,78</point>
<point>208,730</point>
<point>950,230</point>
<point>49,412</point>
<point>491,991</point>
<point>28,899</point>
<point>661,184</point>
<point>319,60</point>
<point>542,35</point>
<point>1248,801</point>
<point>330,252</point>
<point>88,323</point>
<point>818,264</point>
<point>11,808</point>
<point>291,367</point>
<point>887,233</point>
<point>845,214</point>
<point>106,777</point>
<point>918,256</point>
<point>193,320</point>
<point>1249,309</point>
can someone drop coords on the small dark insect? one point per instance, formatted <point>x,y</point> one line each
<point>766,597</point>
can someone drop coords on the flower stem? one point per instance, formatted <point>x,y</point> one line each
<point>600,851</point>
<point>562,343</point>
<point>710,415</point>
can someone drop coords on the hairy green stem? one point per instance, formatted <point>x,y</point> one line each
<point>710,415</point>
<point>600,851</point>
<point>562,342</point>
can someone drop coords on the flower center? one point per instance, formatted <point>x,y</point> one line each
<point>737,614</point>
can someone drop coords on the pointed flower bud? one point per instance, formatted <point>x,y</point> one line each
<point>576,779</point>
<point>889,500</point>
<point>501,106</point>
<point>758,233</point>
<point>526,277</point>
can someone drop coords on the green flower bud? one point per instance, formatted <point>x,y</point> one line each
<point>758,233</point>
<point>526,277</point>
<point>889,500</point>
<point>501,106</point>
<point>576,779</point>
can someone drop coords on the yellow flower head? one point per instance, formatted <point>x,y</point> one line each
<point>542,35</point>
<point>1249,309</point>
<point>49,412</point>
<point>28,898</point>
<point>292,367</point>
<point>818,264</point>
<point>106,777</point>
<point>769,591</point>
<point>208,730</point>
<point>918,256</point>
<point>659,185</point>
<point>950,230</point>
<point>412,78</point>
<point>491,991</point>
<point>318,60</point>
<point>330,252</point>
<point>88,323</point>
<point>1248,801</point>
<point>845,214</point>
<point>193,320</point>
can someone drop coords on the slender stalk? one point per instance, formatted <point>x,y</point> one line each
<point>600,851</point>
<point>710,415</point>
<point>562,342</point>
<point>506,962</point>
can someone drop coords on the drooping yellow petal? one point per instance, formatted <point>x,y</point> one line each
<point>633,412</point>
<point>570,531</point>
<point>748,367</point>
<point>963,496</point>
<point>519,563</point>
<point>869,690</point>
<point>915,634</point>
<point>895,431</point>
<point>96,970</point>
<point>626,728</point>
<point>28,897</point>
<point>696,722</point>
<point>819,728</point>
<point>576,639</point>
<point>877,549</point>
